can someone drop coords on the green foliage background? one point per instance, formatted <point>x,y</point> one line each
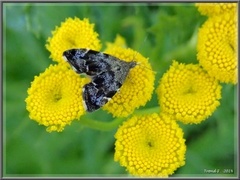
<point>160,31</point>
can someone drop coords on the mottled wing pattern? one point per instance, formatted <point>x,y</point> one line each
<point>86,61</point>
<point>107,72</point>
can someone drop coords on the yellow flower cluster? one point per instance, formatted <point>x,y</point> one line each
<point>217,47</point>
<point>212,9</point>
<point>138,86</point>
<point>59,100</point>
<point>188,93</point>
<point>55,97</point>
<point>150,146</point>
<point>73,33</point>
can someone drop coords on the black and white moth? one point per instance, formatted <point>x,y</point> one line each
<point>107,73</point>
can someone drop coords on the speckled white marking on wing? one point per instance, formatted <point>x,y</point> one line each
<point>84,104</point>
<point>65,59</point>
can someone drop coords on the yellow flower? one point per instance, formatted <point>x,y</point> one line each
<point>212,9</point>
<point>188,93</point>
<point>138,86</point>
<point>217,47</point>
<point>55,97</point>
<point>119,41</point>
<point>150,146</point>
<point>73,33</point>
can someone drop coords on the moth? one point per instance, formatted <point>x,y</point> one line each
<point>107,74</point>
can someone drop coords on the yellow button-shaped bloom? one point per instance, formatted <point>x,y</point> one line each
<point>138,86</point>
<point>188,93</point>
<point>55,97</point>
<point>119,41</point>
<point>217,47</point>
<point>215,9</point>
<point>150,146</point>
<point>73,33</point>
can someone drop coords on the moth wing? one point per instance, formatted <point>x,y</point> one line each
<point>107,72</point>
<point>87,61</point>
<point>93,97</point>
<point>102,88</point>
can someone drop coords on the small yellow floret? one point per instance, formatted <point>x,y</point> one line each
<point>73,33</point>
<point>150,146</point>
<point>55,97</point>
<point>188,93</point>
<point>138,86</point>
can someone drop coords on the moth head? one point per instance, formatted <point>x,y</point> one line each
<point>133,64</point>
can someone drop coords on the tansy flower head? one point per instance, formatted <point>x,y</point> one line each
<point>138,86</point>
<point>212,9</point>
<point>188,93</point>
<point>55,97</point>
<point>150,146</point>
<point>119,41</point>
<point>217,47</point>
<point>73,33</point>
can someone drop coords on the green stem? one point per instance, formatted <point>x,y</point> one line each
<point>103,126</point>
<point>107,126</point>
<point>147,111</point>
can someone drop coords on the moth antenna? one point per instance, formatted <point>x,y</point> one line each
<point>138,63</point>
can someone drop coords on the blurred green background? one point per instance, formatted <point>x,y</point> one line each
<point>159,31</point>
